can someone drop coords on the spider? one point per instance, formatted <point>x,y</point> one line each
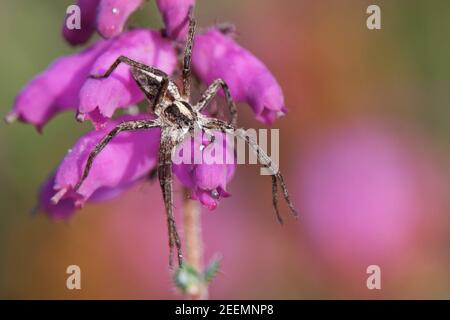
<point>177,118</point>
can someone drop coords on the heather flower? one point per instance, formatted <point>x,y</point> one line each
<point>63,209</point>
<point>108,17</point>
<point>207,179</point>
<point>100,98</point>
<point>209,183</point>
<point>216,55</point>
<point>65,84</point>
<point>112,15</point>
<point>56,89</point>
<point>67,206</point>
<point>175,16</point>
<point>127,158</point>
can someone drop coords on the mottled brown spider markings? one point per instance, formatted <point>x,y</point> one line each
<point>177,118</point>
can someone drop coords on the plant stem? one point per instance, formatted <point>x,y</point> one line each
<point>194,242</point>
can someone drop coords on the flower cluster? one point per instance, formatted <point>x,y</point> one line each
<point>65,85</point>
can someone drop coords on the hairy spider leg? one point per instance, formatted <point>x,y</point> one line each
<point>124,126</point>
<point>275,199</point>
<point>132,63</point>
<point>186,73</point>
<point>165,181</point>
<point>153,88</point>
<point>153,82</point>
<point>263,158</point>
<point>211,92</point>
<point>267,161</point>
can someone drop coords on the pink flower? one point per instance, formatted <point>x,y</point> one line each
<point>207,179</point>
<point>175,16</point>
<point>215,55</point>
<point>56,89</point>
<point>108,17</point>
<point>127,158</point>
<point>64,208</point>
<point>65,85</point>
<point>67,206</point>
<point>112,15</point>
<point>100,98</point>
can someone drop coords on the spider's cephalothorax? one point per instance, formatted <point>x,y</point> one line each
<point>177,118</point>
<point>180,114</point>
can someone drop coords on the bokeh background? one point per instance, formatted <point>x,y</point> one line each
<point>365,151</point>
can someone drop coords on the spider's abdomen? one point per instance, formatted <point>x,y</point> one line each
<point>180,113</point>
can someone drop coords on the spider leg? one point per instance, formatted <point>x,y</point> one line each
<point>124,126</point>
<point>217,124</point>
<point>153,82</point>
<point>275,199</point>
<point>154,88</point>
<point>186,73</point>
<point>165,180</point>
<point>263,158</point>
<point>211,92</point>
<point>132,63</point>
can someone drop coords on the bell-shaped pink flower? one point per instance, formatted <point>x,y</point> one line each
<point>112,15</point>
<point>216,55</point>
<point>210,182</point>
<point>206,178</point>
<point>99,98</point>
<point>175,16</point>
<point>65,83</point>
<point>55,89</point>
<point>127,158</point>
<point>88,13</point>
<point>67,206</point>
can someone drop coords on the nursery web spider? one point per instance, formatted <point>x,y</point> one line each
<point>177,118</point>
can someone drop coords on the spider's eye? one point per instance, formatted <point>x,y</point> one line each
<point>215,194</point>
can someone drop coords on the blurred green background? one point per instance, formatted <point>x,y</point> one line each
<point>392,82</point>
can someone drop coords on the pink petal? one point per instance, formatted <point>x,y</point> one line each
<point>112,15</point>
<point>208,181</point>
<point>216,55</point>
<point>210,176</point>
<point>88,10</point>
<point>206,199</point>
<point>127,158</point>
<point>64,209</point>
<point>100,98</point>
<point>67,206</point>
<point>56,89</point>
<point>175,16</point>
